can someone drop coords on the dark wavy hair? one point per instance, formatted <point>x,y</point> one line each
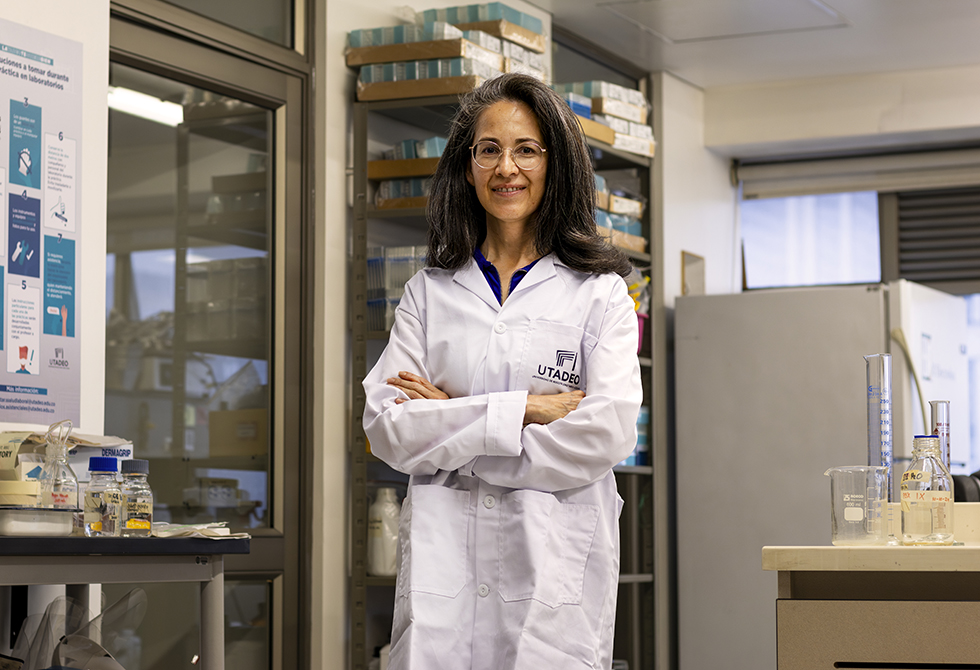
<point>565,219</point>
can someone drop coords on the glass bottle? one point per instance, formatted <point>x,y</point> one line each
<point>137,519</point>
<point>103,499</point>
<point>57,483</point>
<point>927,496</point>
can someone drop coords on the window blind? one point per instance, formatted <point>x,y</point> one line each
<point>939,236</point>
<point>891,172</point>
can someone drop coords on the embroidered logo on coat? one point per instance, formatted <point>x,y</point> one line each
<point>563,357</point>
<point>563,373</point>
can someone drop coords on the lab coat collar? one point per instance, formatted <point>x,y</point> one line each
<point>471,278</point>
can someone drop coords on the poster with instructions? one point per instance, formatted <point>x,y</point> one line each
<point>40,234</point>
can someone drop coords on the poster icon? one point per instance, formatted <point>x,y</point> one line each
<point>24,360</point>
<point>25,144</point>
<point>24,164</point>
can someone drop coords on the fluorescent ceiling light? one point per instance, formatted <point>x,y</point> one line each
<point>145,106</point>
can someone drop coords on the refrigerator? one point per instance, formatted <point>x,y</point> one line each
<point>770,392</point>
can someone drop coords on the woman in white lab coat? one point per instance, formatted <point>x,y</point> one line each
<point>508,390</point>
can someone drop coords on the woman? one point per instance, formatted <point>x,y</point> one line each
<point>508,390</point>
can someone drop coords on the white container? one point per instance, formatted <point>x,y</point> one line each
<point>383,533</point>
<point>36,521</point>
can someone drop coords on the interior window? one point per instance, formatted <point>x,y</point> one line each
<point>811,240</point>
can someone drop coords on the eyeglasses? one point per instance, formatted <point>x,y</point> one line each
<point>526,155</point>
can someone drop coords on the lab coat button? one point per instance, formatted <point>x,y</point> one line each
<point>483,590</point>
<point>500,327</point>
<point>489,502</point>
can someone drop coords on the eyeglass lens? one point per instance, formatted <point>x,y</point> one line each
<point>526,155</point>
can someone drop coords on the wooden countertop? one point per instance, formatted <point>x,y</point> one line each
<point>964,558</point>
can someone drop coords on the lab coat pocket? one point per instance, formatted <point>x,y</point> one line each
<point>544,546</point>
<point>434,528</point>
<point>553,360</point>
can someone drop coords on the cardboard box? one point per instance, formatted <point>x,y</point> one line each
<point>597,131</point>
<point>78,458</point>
<point>623,240</point>
<point>417,88</point>
<point>508,31</point>
<point>635,145</point>
<point>512,65</point>
<point>412,167</point>
<point>416,51</point>
<point>238,432</point>
<point>602,199</point>
<point>620,205</point>
<point>403,203</point>
<point>623,110</point>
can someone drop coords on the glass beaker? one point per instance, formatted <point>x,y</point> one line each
<point>858,496</point>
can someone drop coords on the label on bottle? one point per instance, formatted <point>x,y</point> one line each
<point>374,527</point>
<point>138,508</point>
<point>137,524</point>
<point>102,510</point>
<point>928,499</point>
<point>913,476</point>
<point>57,499</point>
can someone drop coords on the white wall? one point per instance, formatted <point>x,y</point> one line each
<point>697,197</point>
<point>334,94</point>
<point>835,113</point>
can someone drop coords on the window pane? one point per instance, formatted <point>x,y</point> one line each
<point>187,338</point>
<point>811,240</point>
<point>169,635</point>
<point>268,19</point>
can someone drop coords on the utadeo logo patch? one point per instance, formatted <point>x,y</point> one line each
<point>563,372</point>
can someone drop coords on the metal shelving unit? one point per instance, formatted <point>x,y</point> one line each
<point>635,625</point>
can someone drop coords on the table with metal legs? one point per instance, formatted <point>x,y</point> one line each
<point>78,561</point>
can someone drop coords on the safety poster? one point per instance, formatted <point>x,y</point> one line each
<point>40,234</point>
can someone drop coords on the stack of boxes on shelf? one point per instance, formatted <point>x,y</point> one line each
<point>388,268</point>
<point>612,113</point>
<point>618,216</point>
<point>399,184</point>
<point>448,51</point>
<point>226,299</point>
<point>521,36</point>
<point>641,454</point>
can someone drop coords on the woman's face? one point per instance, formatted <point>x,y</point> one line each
<point>508,193</point>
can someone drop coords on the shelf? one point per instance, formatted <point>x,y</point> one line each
<point>633,470</point>
<point>401,169</point>
<point>253,348</point>
<point>371,580</point>
<point>246,228</point>
<point>246,182</point>
<point>636,579</point>
<point>646,362</point>
<point>245,126</point>
<point>615,159</point>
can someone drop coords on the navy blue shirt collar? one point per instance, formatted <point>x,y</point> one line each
<point>493,277</point>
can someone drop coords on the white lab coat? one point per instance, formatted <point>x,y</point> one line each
<point>509,535</point>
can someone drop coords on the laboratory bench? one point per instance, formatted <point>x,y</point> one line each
<point>122,560</point>
<point>879,606</point>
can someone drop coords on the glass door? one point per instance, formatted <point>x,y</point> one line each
<point>203,319</point>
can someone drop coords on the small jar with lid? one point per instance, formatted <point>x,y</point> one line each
<point>927,496</point>
<point>137,519</point>
<point>103,499</point>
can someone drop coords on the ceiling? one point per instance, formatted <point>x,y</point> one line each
<point>729,42</point>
